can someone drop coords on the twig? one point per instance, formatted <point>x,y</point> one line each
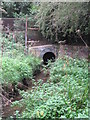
<point>2,90</point>
<point>1,9</point>
<point>22,85</point>
<point>83,41</point>
<point>78,32</point>
<point>62,42</point>
<point>5,98</point>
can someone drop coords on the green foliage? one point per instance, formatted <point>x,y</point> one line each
<point>14,8</point>
<point>60,21</point>
<point>68,68</point>
<point>10,48</point>
<point>46,68</point>
<point>20,10</point>
<point>16,69</point>
<point>15,65</point>
<point>63,96</point>
<point>57,21</point>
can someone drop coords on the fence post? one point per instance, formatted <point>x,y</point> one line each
<point>2,49</point>
<point>26,50</point>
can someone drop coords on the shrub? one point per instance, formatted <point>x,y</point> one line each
<point>70,69</point>
<point>60,21</point>
<point>16,69</point>
<point>15,65</point>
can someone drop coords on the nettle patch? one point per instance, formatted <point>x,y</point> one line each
<point>63,96</point>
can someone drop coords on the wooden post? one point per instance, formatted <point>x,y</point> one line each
<point>14,37</point>
<point>1,54</point>
<point>2,50</point>
<point>26,38</point>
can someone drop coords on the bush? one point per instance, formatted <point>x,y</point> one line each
<point>9,45</point>
<point>16,69</point>
<point>60,21</point>
<point>68,68</point>
<point>63,96</point>
<point>15,64</point>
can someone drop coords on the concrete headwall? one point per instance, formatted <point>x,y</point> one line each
<point>39,51</point>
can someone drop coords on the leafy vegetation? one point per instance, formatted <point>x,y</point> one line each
<point>15,8</point>
<point>16,69</point>
<point>60,21</point>
<point>9,47</point>
<point>20,10</point>
<point>63,96</point>
<point>69,69</point>
<point>56,21</point>
<point>15,64</point>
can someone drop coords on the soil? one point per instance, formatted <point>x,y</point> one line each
<point>42,76</point>
<point>8,110</point>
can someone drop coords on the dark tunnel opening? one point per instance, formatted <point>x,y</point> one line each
<point>48,56</point>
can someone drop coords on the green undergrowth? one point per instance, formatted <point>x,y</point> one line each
<point>14,69</point>
<point>14,63</point>
<point>65,95</point>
